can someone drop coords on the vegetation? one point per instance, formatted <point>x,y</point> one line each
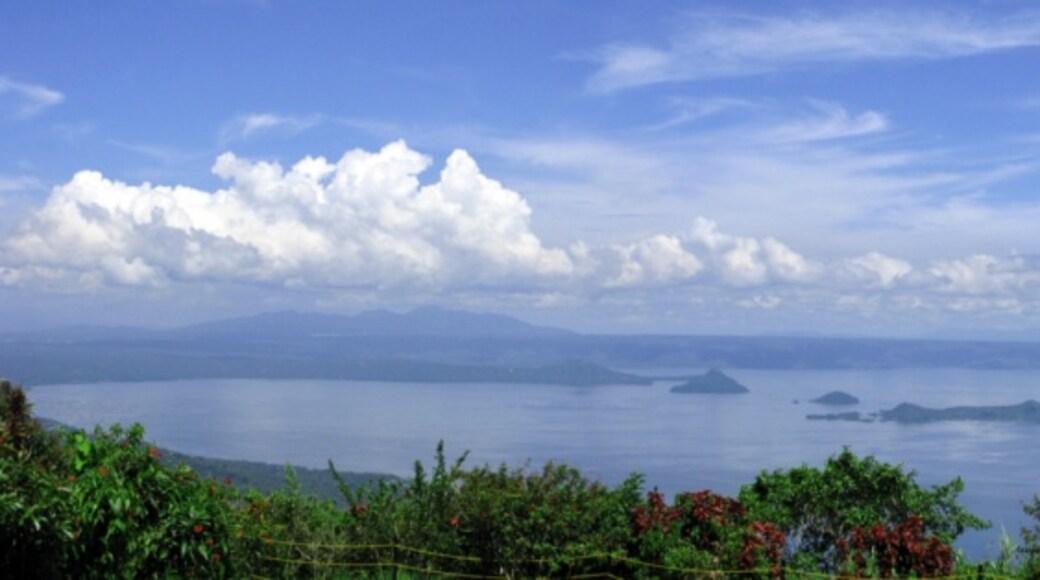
<point>858,506</point>
<point>268,478</point>
<point>105,504</point>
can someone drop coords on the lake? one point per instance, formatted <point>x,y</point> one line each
<point>680,442</point>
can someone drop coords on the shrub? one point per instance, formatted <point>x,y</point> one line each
<point>130,515</point>
<point>817,507</point>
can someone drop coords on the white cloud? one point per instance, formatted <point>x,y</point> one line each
<point>29,99</point>
<point>989,305</point>
<point>660,259</point>
<point>761,301</point>
<point>875,269</point>
<point>828,121</point>
<point>364,225</point>
<point>248,126</point>
<point>363,221</point>
<point>744,261</point>
<point>690,110</point>
<point>16,183</point>
<point>984,274</point>
<point>713,45</point>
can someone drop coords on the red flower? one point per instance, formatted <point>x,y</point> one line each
<point>154,453</point>
<point>216,556</point>
<point>454,522</point>
<point>199,528</point>
<point>103,471</point>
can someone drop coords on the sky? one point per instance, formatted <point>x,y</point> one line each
<point>826,168</point>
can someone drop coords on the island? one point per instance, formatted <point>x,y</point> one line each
<point>1025,412</point>
<point>712,382</point>
<point>836,398</point>
<point>848,416</point>
<point>910,414</point>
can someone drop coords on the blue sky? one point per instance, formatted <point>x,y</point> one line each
<point>836,168</point>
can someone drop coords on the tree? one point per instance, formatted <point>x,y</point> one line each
<point>818,507</point>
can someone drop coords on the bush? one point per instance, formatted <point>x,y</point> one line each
<point>131,515</point>
<point>102,505</point>
<point>818,507</point>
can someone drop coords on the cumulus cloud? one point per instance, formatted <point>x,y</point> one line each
<point>713,45</point>
<point>361,221</point>
<point>984,274</point>
<point>364,225</point>
<point>743,261</point>
<point>28,99</point>
<point>875,269</point>
<point>659,259</point>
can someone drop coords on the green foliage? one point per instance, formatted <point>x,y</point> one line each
<point>503,520</point>
<point>101,505</point>
<point>33,512</point>
<point>105,505</point>
<point>267,478</point>
<point>818,507</point>
<point>131,515</point>
<point>540,523</point>
<point>1031,538</point>
<point>706,531</point>
<point>286,533</point>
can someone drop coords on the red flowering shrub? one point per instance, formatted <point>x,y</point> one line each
<point>705,531</point>
<point>896,551</point>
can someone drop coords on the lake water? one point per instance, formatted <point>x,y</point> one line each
<point>680,442</point>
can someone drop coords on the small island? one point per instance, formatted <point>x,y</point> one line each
<point>910,414</point>
<point>1025,412</point>
<point>848,416</point>
<point>711,382</point>
<point>836,398</point>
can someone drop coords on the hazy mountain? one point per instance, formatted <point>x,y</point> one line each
<point>287,325</point>
<point>438,345</point>
<point>427,321</point>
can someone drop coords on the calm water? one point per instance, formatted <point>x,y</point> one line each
<point>680,442</point>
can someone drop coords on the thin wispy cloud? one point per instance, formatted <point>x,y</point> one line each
<point>162,153</point>
<point>716,45</point>
<point>828,121</point>
<point>691,110</point>
<point>16,183</point>
<point>251,125</point>
<point>27,99</point>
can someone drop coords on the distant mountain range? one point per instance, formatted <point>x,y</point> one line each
<point>426,321</point>
<point>436,345</point>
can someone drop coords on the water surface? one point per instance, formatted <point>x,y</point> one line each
<point>680,442</point>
